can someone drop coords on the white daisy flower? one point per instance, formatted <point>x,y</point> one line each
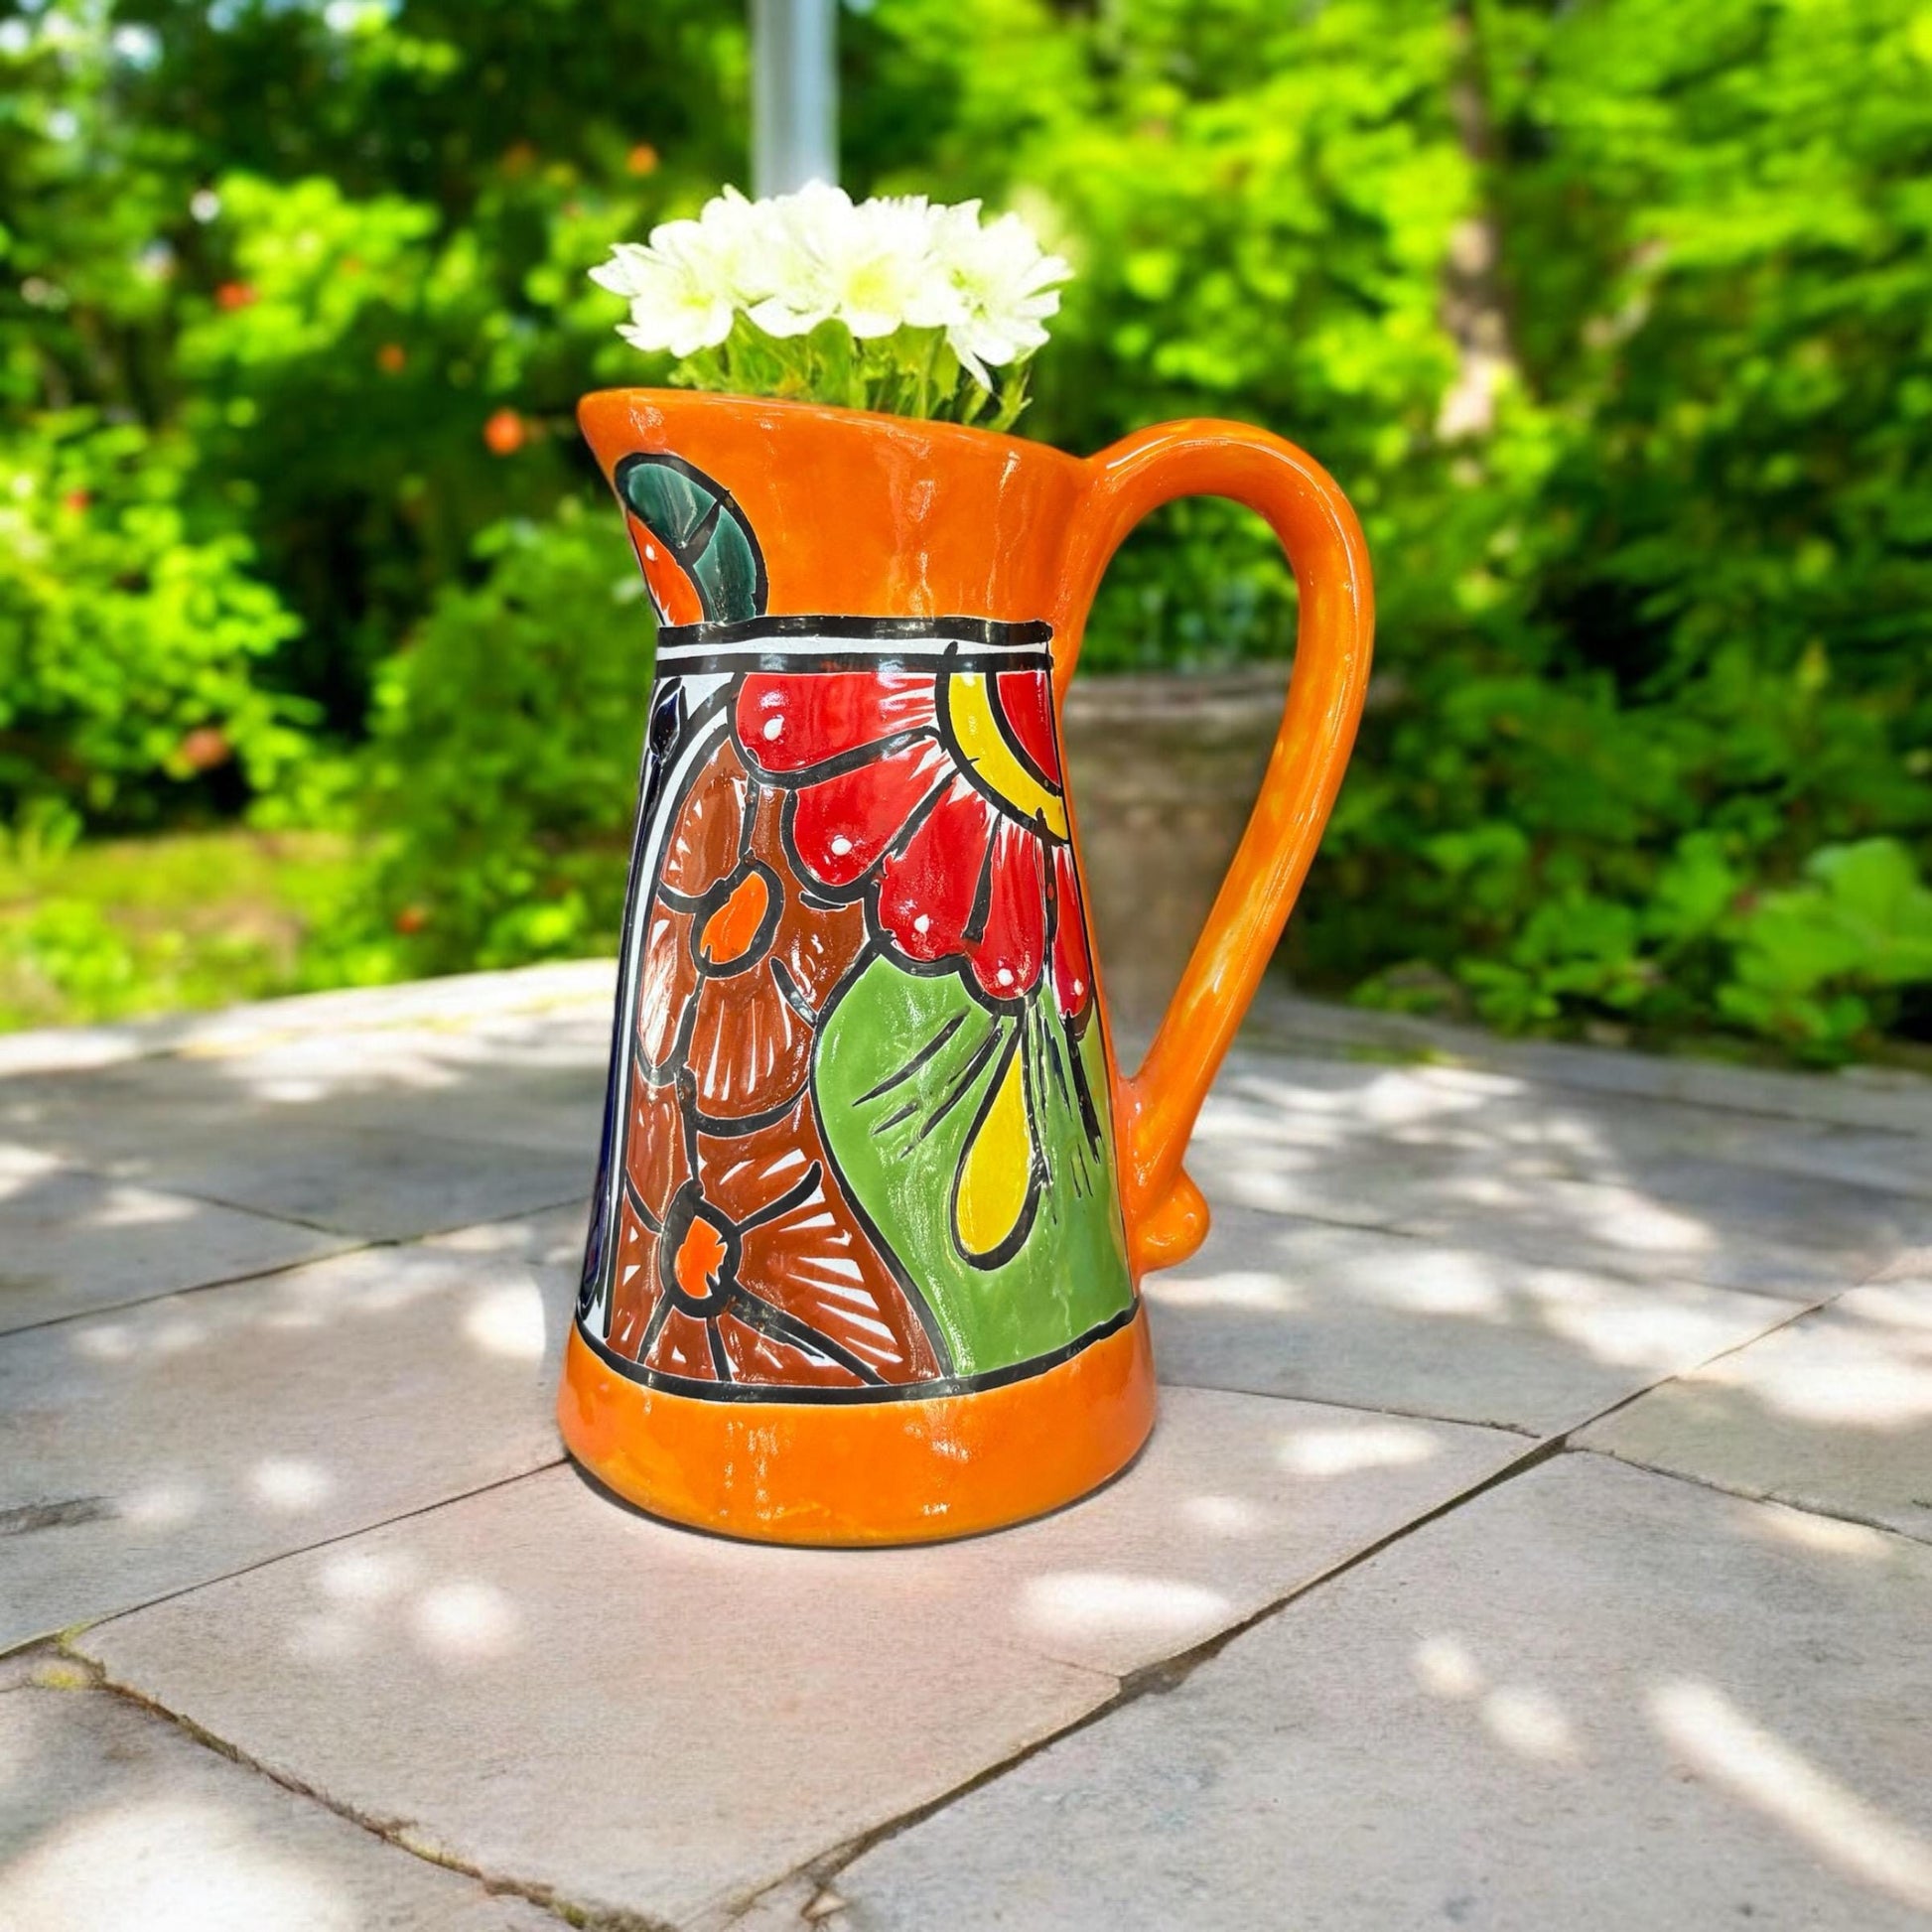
<point>679,297</point>
<point>1005,285</point>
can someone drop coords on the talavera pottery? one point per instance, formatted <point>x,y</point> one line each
<point>875,1199</point>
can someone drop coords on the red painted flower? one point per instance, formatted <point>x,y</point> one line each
<point>940,796</point>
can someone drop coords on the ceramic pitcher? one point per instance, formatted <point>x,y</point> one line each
<point>875,1198</point>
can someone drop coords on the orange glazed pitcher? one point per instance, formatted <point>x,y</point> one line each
<point>875,1198</point>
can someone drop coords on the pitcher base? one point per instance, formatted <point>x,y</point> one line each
<point>867,1473</point>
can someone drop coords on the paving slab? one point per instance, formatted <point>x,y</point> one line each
<point>1833,1413</point>
<point>173,1442</point>
<point>1889,1099</point>
<point>111,1816</point>
<point>73,1242</point>
<point>1593,1699</point>
<point>1352,1160</point>
<point>1236,1501</point>
<point>1296,1308</point>
<point>378,1183</point>
<point>561,990</point>
<point>1581,1134</point>
<point>551,1688</point>
<point>446,1084</point>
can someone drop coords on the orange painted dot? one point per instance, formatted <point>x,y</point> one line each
<point>729,932</point>
<point>699,1257</point>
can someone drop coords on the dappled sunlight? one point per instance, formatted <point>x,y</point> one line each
<point>23,1167</point>
<point>1345,1452</point>
<point>160,1505</point>
<point>1240,1287</point>
<point>1225,1515</point>
<point>1635,1327</point>
<point>364,1576</point>
<point>127,1207</point>
<point>466,1621</point>
<point>1067,1605</point>
<point>1445,1668</point>
<point>288,1485</point>
<point>1531,1724</point>
<point>1726,1746</point>
<point>507,1322</point>
<point>167,1865</point>
<point>457,1623</point>
<point>103,1341</point>
<point>1827,1536</point>
<point>1524,1720</point>
<point>1836,1370</point>
<point>1437,1281</point>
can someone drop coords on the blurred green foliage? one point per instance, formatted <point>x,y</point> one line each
<point>1609,315</point>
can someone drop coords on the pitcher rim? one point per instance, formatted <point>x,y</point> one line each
<point>966,435</point>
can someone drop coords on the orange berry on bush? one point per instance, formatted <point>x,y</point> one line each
<point>391,358</point>
<point>643,159</point>
<point>506,433</point>
<point>206,746</point>
<point>235,294</point>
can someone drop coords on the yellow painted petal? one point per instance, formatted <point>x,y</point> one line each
<point>969,711</point>
<point>997,1169</point>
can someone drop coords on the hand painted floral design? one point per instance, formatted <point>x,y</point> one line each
<point>738,1260</point>
<point>937,796</point>
<point>857,1136</point>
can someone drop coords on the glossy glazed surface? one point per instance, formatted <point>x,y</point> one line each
<point>860,1186</point>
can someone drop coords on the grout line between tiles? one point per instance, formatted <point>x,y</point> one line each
<point>353,1244</point>
<point>1354,1407</point>
<point>397,1833</point>
<point>1717,1489</point>
<point>1170,1673</point>
<point>70,1632</point>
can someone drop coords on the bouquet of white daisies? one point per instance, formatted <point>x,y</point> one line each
<point>895,304</point>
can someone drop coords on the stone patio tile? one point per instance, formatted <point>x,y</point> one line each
<point>1852,1096</point>
<point>1352,1315</point>
<point>553,1688</point>
<point>503,1083</point>
<point>381,1184</point>
<point>1833,1413</point>
<point>1236,1501</point>
<point>1579,1134</point>
<point>174,1442</point>
<point>73,1242</point>
<point>1591,1700</point>
<point>562,989</point>
<point>1633,1212</point>
<point>112,1816</point>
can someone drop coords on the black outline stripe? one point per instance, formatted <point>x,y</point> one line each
<point>781,1394</point>
<point>728,661</point>
<point>724,502</point>
<point>988,632</point>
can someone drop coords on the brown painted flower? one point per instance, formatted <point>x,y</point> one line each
<point>735,966</point>
<point>738,1260</point>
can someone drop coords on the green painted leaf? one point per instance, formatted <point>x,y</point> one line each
<point>910,1067</point>
<point>705,532</point>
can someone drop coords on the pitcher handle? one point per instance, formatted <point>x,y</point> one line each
<point>1167,1217</point>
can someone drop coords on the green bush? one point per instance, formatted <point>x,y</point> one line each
<point>130,638</point>
<point>504,765</point>
<point>1609,316</point>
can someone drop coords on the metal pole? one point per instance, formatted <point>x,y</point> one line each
<point>794,94</point>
